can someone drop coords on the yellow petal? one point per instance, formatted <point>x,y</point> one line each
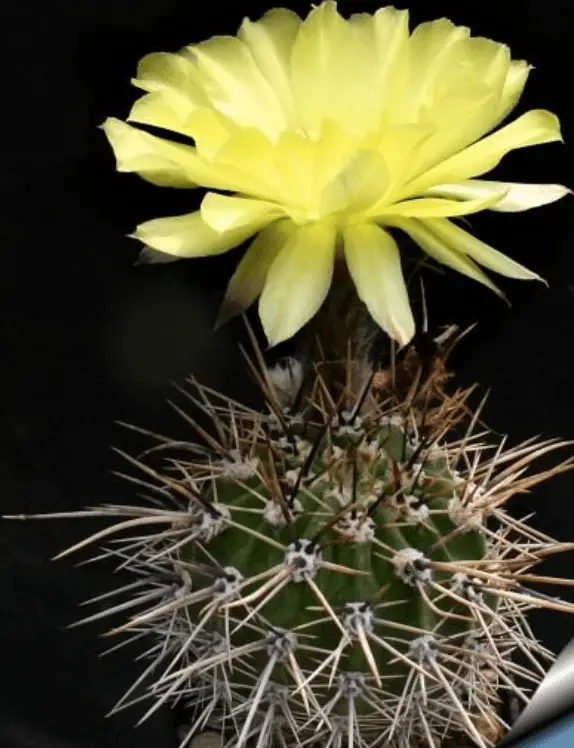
<point>461,98</point>
<point>223,213</point>
<point>263,169</point>
<point>171,81</point>
<point>270,40</point>
<point>356,69</point>
<point>391,44</point>
<point>337,65</point>
<point>428,48</point>
<point>516,196</point>
<point>236,86</point>
<point>153,109</point>
<point>423,234</point>
<point>357,186</point>
<point>472,62</point>
<point>433,207</point>
<point>188,236</point>
<point>210,131</point>
<point>463,120</point>
<point>314,53</point>
<point>374,263</point>
<point>154,159</point>
<point>393,144</point>
<point>461,241</point>
<point>161,162</point>
<point>298,281</point>
<point>516,78</point>
<point>168,72</point>
<point>533,128</point>
<point>248,280</point>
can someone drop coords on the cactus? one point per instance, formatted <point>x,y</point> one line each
<point>341,567</point>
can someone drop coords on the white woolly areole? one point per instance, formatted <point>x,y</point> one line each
<point>411,567</point>
<point>465,515</point>
<point>411,508</point>
<point>347,424</point>
<point>276,693</point>
<point>297,449</point>
<point>291,477</point>
<point>304,558</point>
<point>470,489</point>
<point>357,616</point>
<point>466,587</point>
<point>351,685</point>
<point>239,467</point>
<point>208,525</point>
<point>227,583</point>
<point>286,376</point>
<point>280,644</point>
<point>424,648</point>
<point>393,419</point>
<point>274,513</point>
<point>357,526</point>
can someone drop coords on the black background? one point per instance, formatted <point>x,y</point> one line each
<point>86,338</point>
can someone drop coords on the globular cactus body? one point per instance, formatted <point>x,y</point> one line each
<point>340,569</point>
<point>345,528</point>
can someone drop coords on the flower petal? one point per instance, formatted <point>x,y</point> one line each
<point>391,47</point>
<point>189,236</point>
<point>337,64</point>
<point>457,238</point>
<point>314,53</point>
<point>429,47</point>
<point>161,162</point>
<point>533,128</point>
<point>461,95</point>
<point>517,197</point>
<point>165,71</point>
<point>260,165</point>
<point>270,40</point>
<point>298,281</point>
<point>236,86</point>
<point>174,92</point>
<point>435,207</point>
<point>210,130</point>
<point>248,279</point>
<point>435,246</point>
<point>156,160</point>
<point>223,213</point>
<point>358,186</point>
<point>153,109</point>
<point>516,78</point>
<point>374,263</point>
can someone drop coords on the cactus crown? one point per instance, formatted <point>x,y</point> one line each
<point>340,567</point>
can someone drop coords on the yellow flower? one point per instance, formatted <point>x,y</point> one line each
<point>316,137</point>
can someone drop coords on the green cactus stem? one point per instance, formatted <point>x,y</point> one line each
<point>340,569</point>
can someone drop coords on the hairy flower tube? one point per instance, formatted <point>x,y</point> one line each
<point>318,139</point>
